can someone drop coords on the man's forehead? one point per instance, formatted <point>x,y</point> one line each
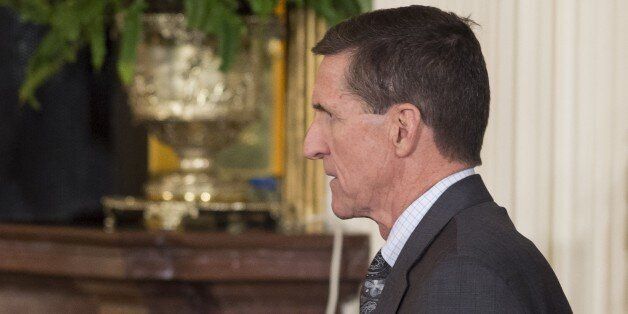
<point>330,89</point>
<point>330,77</point>
<point>335,65</point>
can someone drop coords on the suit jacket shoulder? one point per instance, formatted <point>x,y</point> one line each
<point>467,256</point>
<point>459,284</point>
<point>480,263</point>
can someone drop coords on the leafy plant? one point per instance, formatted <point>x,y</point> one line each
<point>74,24</point>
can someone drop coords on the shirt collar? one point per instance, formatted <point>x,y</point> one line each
<point>410,218</point>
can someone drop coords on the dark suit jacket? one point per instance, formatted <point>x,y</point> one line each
<point>466,256</point>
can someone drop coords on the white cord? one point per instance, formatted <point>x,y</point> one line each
<point>334,273</point>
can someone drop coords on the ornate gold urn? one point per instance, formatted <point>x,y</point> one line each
<point>188,103</point>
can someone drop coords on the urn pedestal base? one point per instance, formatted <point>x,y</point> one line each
<point>235,217</point>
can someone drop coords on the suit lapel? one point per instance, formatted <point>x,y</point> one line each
<point>463,194</point>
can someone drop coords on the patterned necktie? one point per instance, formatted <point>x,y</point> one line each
<point>373,284</point>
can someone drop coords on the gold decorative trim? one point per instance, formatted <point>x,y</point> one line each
<point>304,189</point>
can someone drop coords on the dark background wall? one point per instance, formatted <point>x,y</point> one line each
<point>57,162</point>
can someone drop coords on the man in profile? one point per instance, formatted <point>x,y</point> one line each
<point>402,103</point>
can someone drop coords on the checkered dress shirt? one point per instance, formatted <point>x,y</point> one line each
<point>410,218</point>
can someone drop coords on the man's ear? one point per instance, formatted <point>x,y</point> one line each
<point>406,126</point>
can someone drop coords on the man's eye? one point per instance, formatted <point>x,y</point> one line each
<point>325,112</point>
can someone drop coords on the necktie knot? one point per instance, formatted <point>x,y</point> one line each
<point>373,285</point>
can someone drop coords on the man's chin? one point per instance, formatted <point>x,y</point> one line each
<point>345,213</point>
<point>342,213</point>
<point>344,216</point>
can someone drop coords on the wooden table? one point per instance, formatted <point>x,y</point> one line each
<point>47,269</point>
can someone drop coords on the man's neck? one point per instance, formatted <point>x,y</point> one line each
<point>409,188</point>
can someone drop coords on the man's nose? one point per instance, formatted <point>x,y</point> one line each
<point>314,145</point>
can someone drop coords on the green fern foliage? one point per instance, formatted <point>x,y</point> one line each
<point>74,24</point>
